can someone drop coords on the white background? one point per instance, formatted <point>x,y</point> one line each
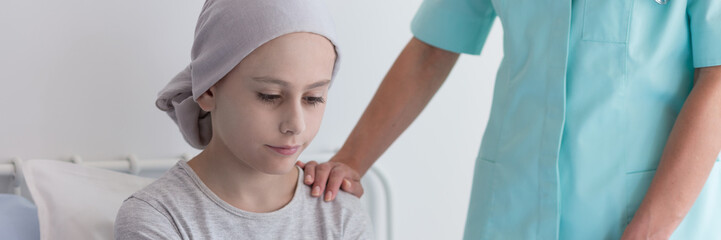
<point>80,77</point>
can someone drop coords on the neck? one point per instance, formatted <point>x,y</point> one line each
<point>240,185</point>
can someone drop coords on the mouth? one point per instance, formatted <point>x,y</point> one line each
<point>285,150</point>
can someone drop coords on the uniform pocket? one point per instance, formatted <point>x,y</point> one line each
<point>637,184</point>
<point>606,20</point>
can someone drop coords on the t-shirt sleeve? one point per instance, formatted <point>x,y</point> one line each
<point>358,228</point>
<point>705,24</point>
<point>138,219</point>
<point>357,224</point>
<point>460,26</point>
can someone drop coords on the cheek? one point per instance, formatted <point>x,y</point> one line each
<point>243,126</point>
<point>314,117</point>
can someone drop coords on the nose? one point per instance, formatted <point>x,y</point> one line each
<point>293,122</point>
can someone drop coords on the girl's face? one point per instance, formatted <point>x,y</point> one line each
<point>269,107</point>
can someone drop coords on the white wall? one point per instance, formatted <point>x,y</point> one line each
<point>80,77</point>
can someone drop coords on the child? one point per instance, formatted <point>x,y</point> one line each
<point>259,75</point>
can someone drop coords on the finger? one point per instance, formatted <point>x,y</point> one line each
<point>353,187</point>
<point>321,177</point>
<point>309,171</point>
<point>337,175</point>
<point>352,184</point>
<point>300,164</point>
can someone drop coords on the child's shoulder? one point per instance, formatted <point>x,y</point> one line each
<point>345,213</point>
<point>170,185</point>
<point>344,201</point>
<point>348,201</point>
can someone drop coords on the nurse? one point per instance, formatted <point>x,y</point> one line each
<point>605,124</point>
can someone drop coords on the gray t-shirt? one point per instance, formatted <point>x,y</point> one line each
<point>179,206</point>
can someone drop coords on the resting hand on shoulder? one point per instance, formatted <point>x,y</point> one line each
<point>329,177</point>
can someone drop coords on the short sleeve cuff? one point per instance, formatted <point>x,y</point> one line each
<point>705,25</point>
<point>706,45</point>
<point>453,25</point>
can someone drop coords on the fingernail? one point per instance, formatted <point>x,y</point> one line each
<point>316,191</point>
<point>328,196</point>
<point>347,183</point>
<point>308,179</point>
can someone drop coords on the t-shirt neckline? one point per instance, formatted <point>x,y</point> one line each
<point>283,211</point>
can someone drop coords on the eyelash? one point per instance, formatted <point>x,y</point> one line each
<point>270,98</point>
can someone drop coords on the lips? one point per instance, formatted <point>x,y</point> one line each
<point>284,150</point>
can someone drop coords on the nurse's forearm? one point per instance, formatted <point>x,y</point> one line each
<point>414,78</point>
<point>690,152</point>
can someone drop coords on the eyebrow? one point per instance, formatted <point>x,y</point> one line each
<point>271,80</point>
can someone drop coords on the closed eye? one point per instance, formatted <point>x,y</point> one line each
<point>269,98</point>
<point>314,100</point>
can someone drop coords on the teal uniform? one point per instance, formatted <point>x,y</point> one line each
<point>584,101</point>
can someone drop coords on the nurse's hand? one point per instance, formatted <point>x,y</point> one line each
<point>329,177</point>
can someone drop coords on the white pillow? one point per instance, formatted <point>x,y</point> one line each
<point>76,201</point>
